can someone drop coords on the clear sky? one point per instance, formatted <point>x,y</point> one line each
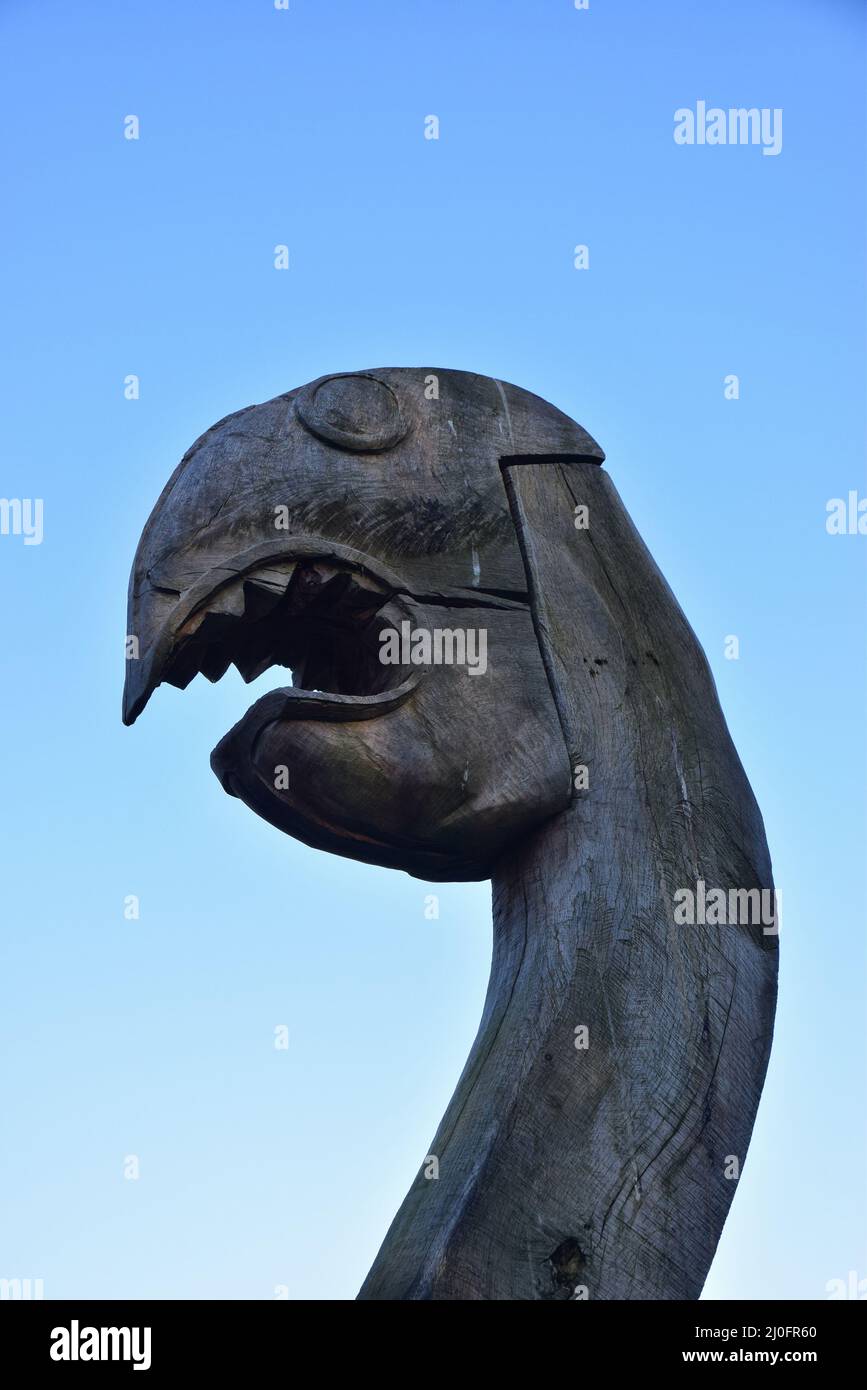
<point>260,127</point>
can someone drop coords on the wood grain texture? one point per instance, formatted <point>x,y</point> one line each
<point>602,1171</point>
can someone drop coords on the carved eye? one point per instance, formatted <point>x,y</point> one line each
<point>355,412</point>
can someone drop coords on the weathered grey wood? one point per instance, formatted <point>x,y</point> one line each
<point>606,1169</point>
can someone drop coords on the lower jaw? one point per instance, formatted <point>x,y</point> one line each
<point>291,702</point>
<point>233,761</point>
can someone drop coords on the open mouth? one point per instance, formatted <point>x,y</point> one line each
<point>318,616</point>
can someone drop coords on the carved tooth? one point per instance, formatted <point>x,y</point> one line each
<point>312,579</point>
<point>264,589</point>
<point>192,625</point>
<point>317,587</point>
<point>250,665</point>
<point>330,593</point>
<point>306,584</point>
<point>215,662</point>
<point>362,599</point>
<point>184,665</point>
<point>228,601</point>
<point>266,600</point>
<point>226,604</point>
<point>256,653</point>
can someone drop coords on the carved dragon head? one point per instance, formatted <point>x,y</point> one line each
<point>547,719</point>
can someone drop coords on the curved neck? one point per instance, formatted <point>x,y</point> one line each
<point>594,1142</point>
<point>584,1151</point>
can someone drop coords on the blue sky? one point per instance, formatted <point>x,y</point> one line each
<point>259,127</point>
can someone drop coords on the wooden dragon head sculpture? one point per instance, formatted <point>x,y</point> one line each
<point>491,678</point>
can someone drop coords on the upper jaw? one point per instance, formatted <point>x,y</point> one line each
<point>304,602</point>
